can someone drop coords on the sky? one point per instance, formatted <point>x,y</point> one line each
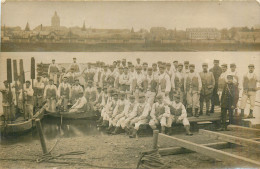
<point>125,15</point>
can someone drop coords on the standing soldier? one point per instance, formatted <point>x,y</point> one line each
<point>124,62</point>
<point>192,89</point>
<point>175,66</point>
<point>229,99</point>
<point>28,96</point>
<point>186,67</point>
<point>117,83</point>
<point>216,70</point>
<point>104,76</point>
<point>250,87</point>
<point>138,83</point>
<point>164,83</point>
<point>53,71</point>
<point>75,66</point>
<point>51,95</point>
<point>153,83</point>
<point>76,89</point>
<point>169,69</point>
<point>158,114</point>
<point>79,105</point>
<point>177,82</point>
<point>138,60</point>
<point>208,83</point>
<point>64,92</point>
<point>124,80</point>
<point>45,80</point>
<point>178,114</point>
<point>62,74</point>
<point>155,70</point>
<point>141,114</point>
<point>145,66</point>
<point>236,80</point>
<point>38,92</point>
<point>6,97</point>
<point>91,95</point>
<point>222,79</point>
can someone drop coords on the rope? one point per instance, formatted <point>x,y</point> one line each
<point>150,160</point>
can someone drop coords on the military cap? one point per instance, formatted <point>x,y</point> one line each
<point>159,62</point>
<point>138,59</point>
<point>120,67</point>
<point>204,64</point>
<point>105,65</point>
<point>5,81</point>
<point>230,76</point>
<point>216,61</point>
<point>74,58</point>
<point>125,67</point>
<point>98,87</point>
<point>52,79</point>
<point>80,92</point>
<point>76,80</point>
<point>159,97</point>
<point>129,62</point>
<point>232,65</point>
<point>162,66</point>
<point>168,64</point>
<point>251,65</point>
<point>191,65</point>
<point>186,62</point>
<point>145,63</point>
<point>131,65</point>
<point>53,59</point>
<point>27,81</point>
<point>180,64</point>
<point>224,65</point>
<point>141,95</point>
<point>175,61</point>
<point>177,96</point>
<point>150,69</point>
<point>65,77</point>
<point>154,64</point>
<point>38,77</point>
<point>90,81</point>
<point>122,93</point>
<point>131,97</point>
<point>118,61</point>
<point>111,66</point>
<point>115,94</point>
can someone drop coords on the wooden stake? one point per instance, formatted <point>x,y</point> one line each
<point>155,139</point>
<point>42,139</point>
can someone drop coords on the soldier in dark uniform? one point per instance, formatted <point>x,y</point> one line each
<point>229,99</point>
<point>216,70</point>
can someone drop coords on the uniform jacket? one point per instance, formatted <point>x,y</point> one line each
<point>229,96</point>
<point>208,82</point>
<point>192,82</point>
<point>159,110</point>
<point>216,70</point>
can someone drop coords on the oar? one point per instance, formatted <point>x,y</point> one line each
<point>22,80</point>
<point>33,76</point>
<point>15,79</point>
<point>9,80</point>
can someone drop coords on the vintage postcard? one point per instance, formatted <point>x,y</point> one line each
<point>130,84</point>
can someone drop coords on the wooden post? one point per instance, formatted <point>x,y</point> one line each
<point>155,139</point>
<point>42,139</point>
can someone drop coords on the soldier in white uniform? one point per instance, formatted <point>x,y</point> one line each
<point>64,94</point>
<point>145,66</point>
<point>53,71</point>
<point>178,114</point>
<point>186,67</point>
<point>153,83</point>
<point>38,92</point>
<point>28,96</point>
<point>222,80</point>
<point>76,67</point>
<point>192,87</point>
<point>250,87</point>
<point>76,89</point>
<point>51,95</point>
<point>141,114</point>
<point>159,114</point>
<point>79,105</point>
<point>164,87</point>
<point>175,66</point>
<point>138,83</point>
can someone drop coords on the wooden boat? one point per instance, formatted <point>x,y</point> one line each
<point>73,116</point>
<point>19,125</point>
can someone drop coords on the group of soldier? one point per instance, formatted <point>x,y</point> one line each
<point>131,94</point>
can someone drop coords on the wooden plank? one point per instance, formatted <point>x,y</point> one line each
<point>232,139</point>
<point>211,152</point>
<point>244,129</point>
<point>181,150</point>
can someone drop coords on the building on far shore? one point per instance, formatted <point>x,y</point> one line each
<point>203,34</point>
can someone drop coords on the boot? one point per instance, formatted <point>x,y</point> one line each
<point>250,114</point>
<point>189,112</point>
<point>212,109</point>
<point>109,128</point>
<point>163,130</point>
<point>187,128</point>
<point>242,113</point>
<point>169,131</point>
<point>207,113</point>
<point>116,131</point>
<point>127,131</point>
<point>100,120</point>
<point>105,123</point>
<point>133,135</point>
<point>201,112</point>
<point>196,112</point>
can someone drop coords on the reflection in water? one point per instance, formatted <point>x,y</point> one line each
<point>54,128</point>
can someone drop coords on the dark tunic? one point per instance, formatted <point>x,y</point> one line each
<point>216,70</point>
<point>229,96</point>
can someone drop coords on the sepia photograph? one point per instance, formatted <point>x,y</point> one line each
<point>130,84</point>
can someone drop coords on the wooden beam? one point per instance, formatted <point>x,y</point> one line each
<point>181,150</point>
<point>244,129</point>
<point>231,139</point>
<point>211,152</point>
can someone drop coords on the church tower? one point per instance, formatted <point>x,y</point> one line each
<point>55,20</point>
<point>27,27</point>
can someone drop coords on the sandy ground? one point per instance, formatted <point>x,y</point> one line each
<point>114,152</point>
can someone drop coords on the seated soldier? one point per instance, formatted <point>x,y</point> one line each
<point>97,103</point>
<point>178,114</point>
<point>91,95</point>
<point>120,119</point>
<point>80,103</point>
<point>105,103</point>
<point>38,88</point>
<point>109,110</point>
<point>75,90</point>
<point>158,114</point>
<point>118,110</point>
<point>141,115</point>
<point>64,93</point>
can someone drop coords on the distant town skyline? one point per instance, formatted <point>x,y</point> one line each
<point>125,15</point>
